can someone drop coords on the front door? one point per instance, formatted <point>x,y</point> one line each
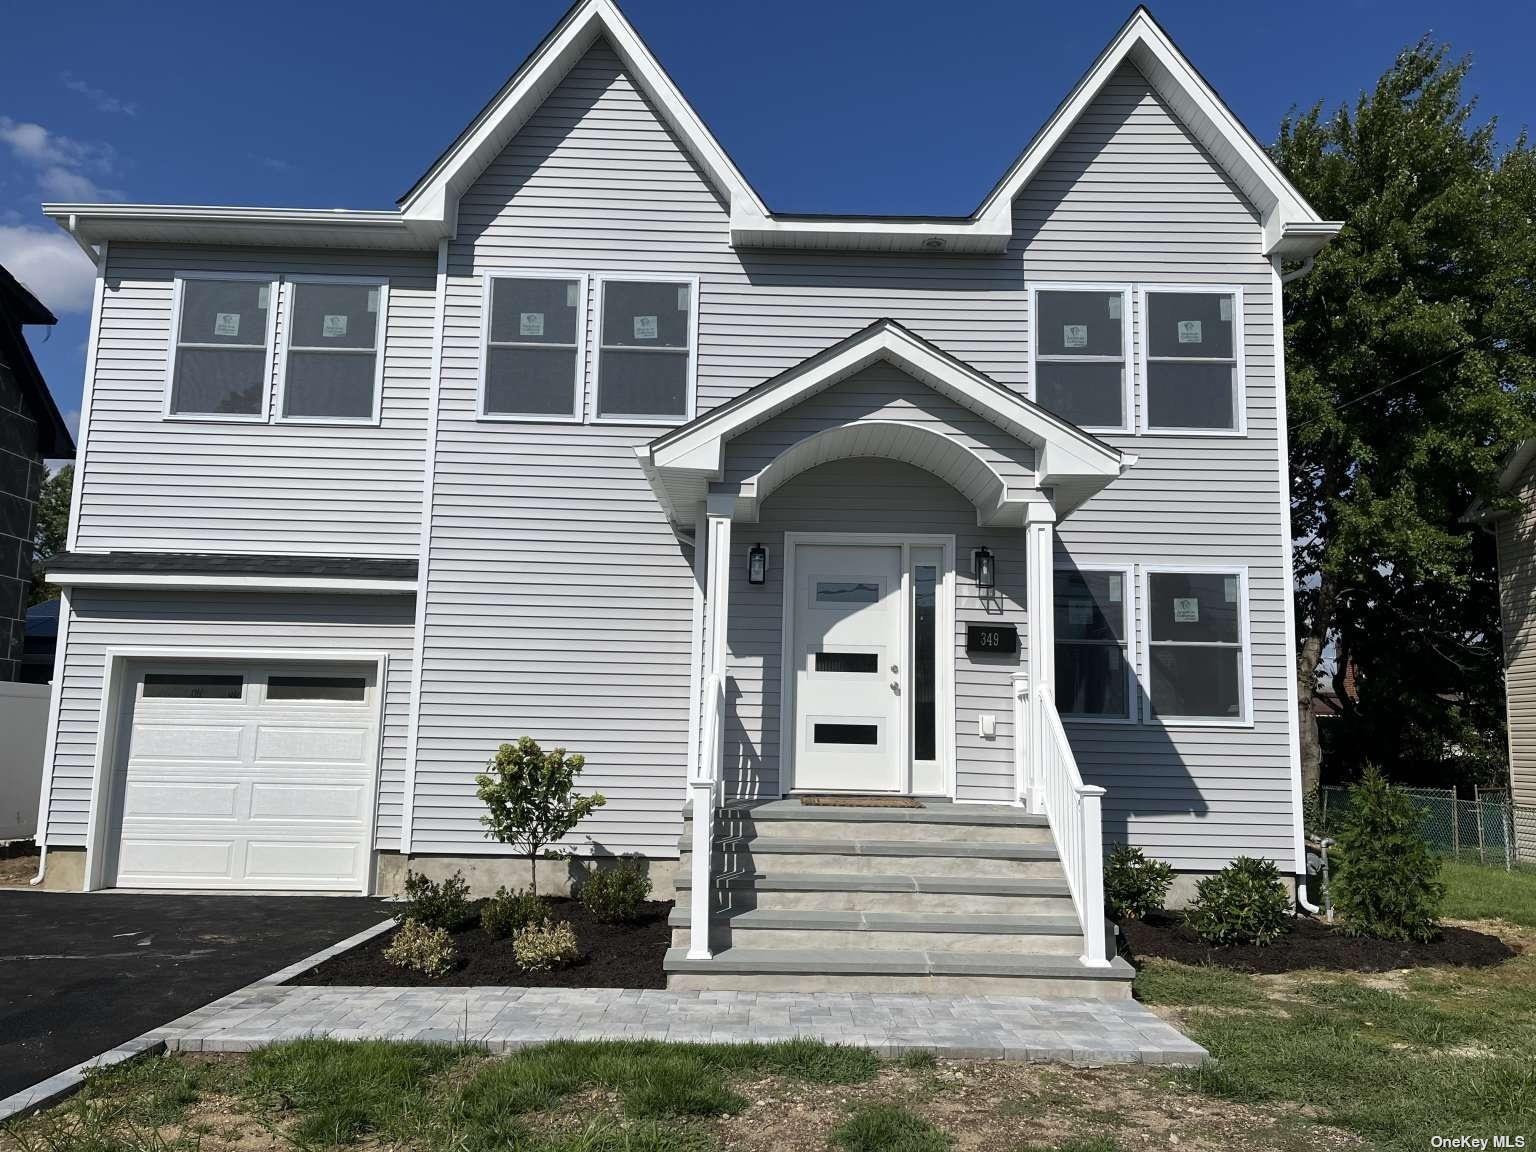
<point>848,678</point>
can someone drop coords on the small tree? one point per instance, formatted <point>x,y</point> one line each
<point>531,800</point>
<point>1388,882</point>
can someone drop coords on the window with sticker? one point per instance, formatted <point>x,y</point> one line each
<point>1079,367</point>
<point>332,369</point>
<point>1092,624</point>
<point>221,358</point>
<point>1192,377</point>
<point>1197,656</point>
<point>645,351</point>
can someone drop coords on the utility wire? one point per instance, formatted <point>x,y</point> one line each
<point>1403,379</point>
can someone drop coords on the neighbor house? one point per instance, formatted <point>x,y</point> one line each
<point>583,441</point>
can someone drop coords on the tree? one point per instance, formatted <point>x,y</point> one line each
<point>1410,379</point>
<point>1388,883</point>
<point>50,529</point>
<point>531,801</point>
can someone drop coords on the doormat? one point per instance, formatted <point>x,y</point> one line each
<point>860,802</point>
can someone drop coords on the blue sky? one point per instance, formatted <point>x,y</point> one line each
<point>849,105</point>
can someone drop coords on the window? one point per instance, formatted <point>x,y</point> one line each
<point>846,733</point>
<point>221,355</point>
<point>332,369</point>
<point>925,700</point>
<point>533,356</point>
<point>192,686</point>
<point>348,689</point>
<point>858,662</point>
<point>1093,674</point>
<point>1079,369</point>
<point>847,592</point>
<point>1193,368</point>
<point>645,351</point>
<point>1197,645</point>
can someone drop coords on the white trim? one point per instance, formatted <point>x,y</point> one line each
<point>1239,360</point>
<point>193,581</point>
<point>98,296</point>
<point>51,738</point>
<point>699,571</point>
<point>1128,596</point>
<point>424,557</point>
<point>178,291</point>
<point>289,294</point>
<point>578,384</point>
<point>690,387</point>
<point>1245,638</point>
<point>945,670</point>
<point>1127,425</point>
<point>114,663</point>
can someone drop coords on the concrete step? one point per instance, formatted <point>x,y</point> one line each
<point>885,892</point>
<point>887,931</point>
<point>869,970</point>
<point>939,822</point>
<point>864,857</point>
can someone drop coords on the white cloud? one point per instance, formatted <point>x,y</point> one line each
<point>103,101</point>
<point>67,169</point>
<point>62,184</point>
<point>51,266</point>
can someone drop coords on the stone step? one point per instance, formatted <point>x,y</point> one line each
<point>949,822</point>
<point>869,970</point>
<point>828,854</point>
<point>885,892</point>
<point>884,931</point>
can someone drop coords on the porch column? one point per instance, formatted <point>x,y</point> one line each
<point>704,781</point>
<point>1040,664</point>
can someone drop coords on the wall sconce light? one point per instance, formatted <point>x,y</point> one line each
<point>757,565</point>
<point>986,568</point>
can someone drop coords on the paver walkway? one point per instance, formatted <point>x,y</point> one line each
<point>501,1019</point>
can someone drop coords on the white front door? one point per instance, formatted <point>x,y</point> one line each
<point>847,651</point>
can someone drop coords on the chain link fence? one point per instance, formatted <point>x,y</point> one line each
<point>1488,829</point>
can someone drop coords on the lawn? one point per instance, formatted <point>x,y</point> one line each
<point>1474,892</point>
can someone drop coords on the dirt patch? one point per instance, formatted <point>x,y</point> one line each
<point>613,956</point>
<point>17,871</point>
<point>1315,945</point>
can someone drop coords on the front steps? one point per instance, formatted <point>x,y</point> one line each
<point>946,899</point>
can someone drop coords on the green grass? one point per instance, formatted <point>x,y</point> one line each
<point>888,1128</point>
<point>918,1060</point>
<point>1475,892</point>
<point>1183,986</point>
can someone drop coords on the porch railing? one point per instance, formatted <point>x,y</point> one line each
<point>702,790</point>
<point>1049,782</point>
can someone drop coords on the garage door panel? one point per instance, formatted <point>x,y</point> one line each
<point>179,799</point>
<point>307,802</point>
<point>172,741</point>
<point>280,863</point>
<point>146,860</point>
<point>313,745</point>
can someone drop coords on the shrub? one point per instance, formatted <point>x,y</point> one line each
<point>546,946</point>
<point>1134,886</point>
<point>422,949</point>
<point>530,800</point>
<point>1244,903</point>
<point>616,894</point>
<point>436,904</point>
<point>1387,882</point>
<point>507,912</point>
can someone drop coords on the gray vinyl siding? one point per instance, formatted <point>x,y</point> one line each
<point>101,620</point>
<point>1517,608</point>
<point>151,484</point>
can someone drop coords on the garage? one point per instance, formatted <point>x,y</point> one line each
<point>243,776</point>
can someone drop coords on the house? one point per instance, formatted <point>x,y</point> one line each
<point>585,442</point>
<point>31,432</point>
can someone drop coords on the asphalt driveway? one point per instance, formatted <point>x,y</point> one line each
<point>81,973</point>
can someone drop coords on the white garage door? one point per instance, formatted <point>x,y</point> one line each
<point>254,776</point>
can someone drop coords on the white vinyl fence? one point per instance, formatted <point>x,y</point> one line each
<point>23,726</point>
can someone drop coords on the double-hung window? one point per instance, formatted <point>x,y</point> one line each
<point>333,369</point>
<point>1197,644</point>
<point>1094,677</point>
<point>1193,365</point>
<point>1080,372</point>
<point>221,349</point>
<point>646,336</point>
<point>535,335</point>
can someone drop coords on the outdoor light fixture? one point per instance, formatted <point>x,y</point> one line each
<point>757,565</point>
<point>986,568</point>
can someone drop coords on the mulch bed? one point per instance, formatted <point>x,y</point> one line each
<point>1311,944</point>
<point>613,956</point>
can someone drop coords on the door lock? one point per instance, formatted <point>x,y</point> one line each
<point>896,687</point>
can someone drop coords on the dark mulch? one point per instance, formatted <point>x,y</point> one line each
<point>1311,944</point>
<point>613,956</point>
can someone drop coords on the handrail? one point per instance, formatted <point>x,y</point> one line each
<point>1075,812</point>
<point>701,791</point>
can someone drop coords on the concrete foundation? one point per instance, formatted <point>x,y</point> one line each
<point>64,870</point>
<point>485,874</point>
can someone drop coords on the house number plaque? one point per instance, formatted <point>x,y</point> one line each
<point>992,639</point>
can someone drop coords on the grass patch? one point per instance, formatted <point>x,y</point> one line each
<point>1475,892</point>
<point>1184,985</point>
<point>888,1128</point>
<point>918,1060</point>
<point>1091,1144</point>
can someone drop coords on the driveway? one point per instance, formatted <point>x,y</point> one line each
<point>81,973</point>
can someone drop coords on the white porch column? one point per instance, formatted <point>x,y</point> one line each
<point>1040,664</point>
<point>704,781</point>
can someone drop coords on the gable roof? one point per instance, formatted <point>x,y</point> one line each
<point>428,211</point>
<point>18,307</point>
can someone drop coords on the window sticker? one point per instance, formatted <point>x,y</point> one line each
<point>373,299</point>
<point>1114,587</point>
<point>333,326</point>
<point>530,324</point>
<point>682,297</point>
<point>1189,332</point>
<point>1226,309</point>
<point>645,327</point>
<point>570,294</point>
<point>263,294</point>
<point>226,324</point>
<point>1074,335</point>
<point>1229,588</point>
<point>1114,307</point>
<point>1186,610</point>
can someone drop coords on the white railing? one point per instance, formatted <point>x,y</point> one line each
<point>1048,778</point>
<point>702,789</point>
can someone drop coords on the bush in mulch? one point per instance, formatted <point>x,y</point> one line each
<point>611,955</point>
<point>1310,944</point>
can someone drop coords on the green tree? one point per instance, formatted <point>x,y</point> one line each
<point>50,528</point>
<point>1388,882</point>
<point>531,802</point>
<point>1410,379</point>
